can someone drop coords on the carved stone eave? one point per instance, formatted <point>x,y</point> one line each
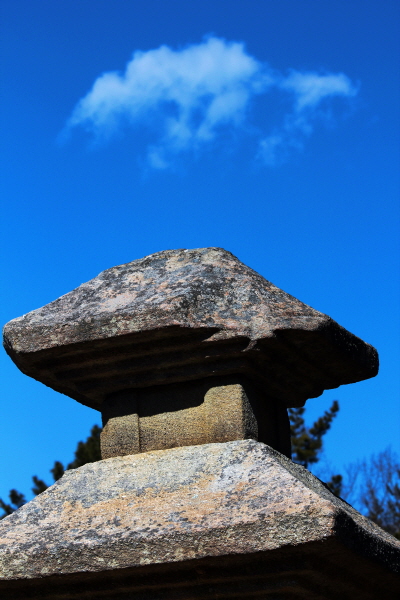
<point>224,515</point>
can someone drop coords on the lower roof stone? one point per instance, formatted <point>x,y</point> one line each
<point>168,511</point>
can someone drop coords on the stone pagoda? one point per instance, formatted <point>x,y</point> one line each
<point>192,358</point>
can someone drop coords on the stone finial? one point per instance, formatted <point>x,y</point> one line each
<point>186,347</point>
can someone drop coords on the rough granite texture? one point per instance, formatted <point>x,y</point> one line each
<point>223,414</point>
<point>171,506</point>
<point>186,415</point>
<point>182,315</point>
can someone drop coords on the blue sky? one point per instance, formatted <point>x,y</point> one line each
<point>267,128</point>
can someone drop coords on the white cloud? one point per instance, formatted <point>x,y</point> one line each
<point>310,89</point>
<point>185,98</point>
<point>309,92</point>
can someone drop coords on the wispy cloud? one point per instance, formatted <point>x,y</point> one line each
<point>310,94</point>
<point>186,98</point>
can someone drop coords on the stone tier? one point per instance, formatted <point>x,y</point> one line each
<point>232,520</point>
<point>185,315</point>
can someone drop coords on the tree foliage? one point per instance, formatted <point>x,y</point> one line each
<point>86,452</point>
<point>16,501</point>
<point>307,441</point>
<point>373,486</point>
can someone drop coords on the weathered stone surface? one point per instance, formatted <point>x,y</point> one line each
<point>201,503</point>
<point>184,315</point>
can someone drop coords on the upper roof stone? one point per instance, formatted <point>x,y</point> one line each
<point>181,315</point>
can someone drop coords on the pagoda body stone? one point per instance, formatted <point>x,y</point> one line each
<point>231,520</point>
<point>186,347</point>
